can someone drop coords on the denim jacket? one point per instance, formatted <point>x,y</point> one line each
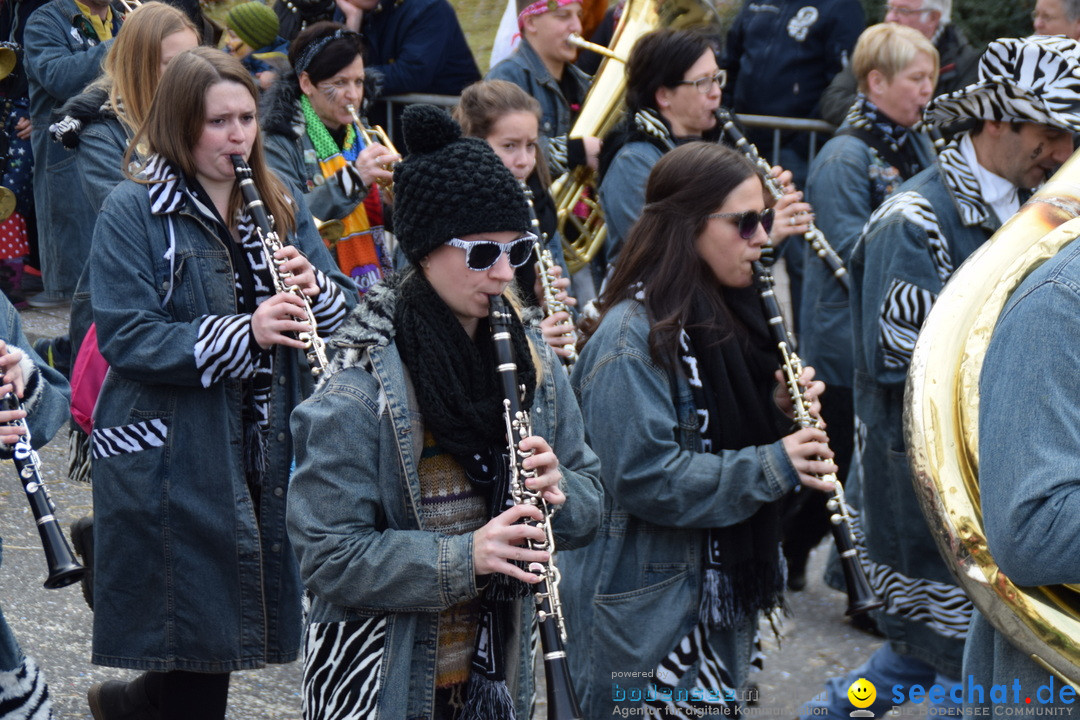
<point>355,525</point>
<point>60,62</point>
<point>46,394</point>
<point>848,180</point>
<point>1027,470</point>
<point>622,191</point>
<point>635,591</point>
<point>525,69</point>
<point>911,247</point>
<point>169,483</point>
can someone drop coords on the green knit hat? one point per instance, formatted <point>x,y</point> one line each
<point>254,23</point>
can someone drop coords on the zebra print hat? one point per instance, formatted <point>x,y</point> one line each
<point>1034,79</point>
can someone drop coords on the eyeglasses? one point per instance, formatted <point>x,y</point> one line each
<point>906,12</point>
<point>481,255</point>
<point>749,220</point>
<point>704,85</point>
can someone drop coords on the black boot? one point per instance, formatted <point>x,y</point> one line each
<point>82,541</point>
<point>119,700</point>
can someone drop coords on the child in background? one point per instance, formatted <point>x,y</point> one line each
<point>252,35</point>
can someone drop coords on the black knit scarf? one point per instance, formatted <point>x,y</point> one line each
<point>731,380</point>
<point>460,398</point>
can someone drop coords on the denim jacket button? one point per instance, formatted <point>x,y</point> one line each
<point>276,547</point>
<point>281,437</point>
<point>278,492</point>
<point>281,380</point>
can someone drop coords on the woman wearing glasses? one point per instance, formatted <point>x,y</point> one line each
<point>312,141</point>
<point>398,506</point>
<point>687,556</point>
<point>673,88</point>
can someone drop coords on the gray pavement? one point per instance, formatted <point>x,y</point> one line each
<point>54,626</point>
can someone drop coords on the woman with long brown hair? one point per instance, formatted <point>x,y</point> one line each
<point>679,393</point>
<point>191,446</point>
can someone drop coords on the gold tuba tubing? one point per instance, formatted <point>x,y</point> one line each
<point>941,417</point>
<point>602,109</point>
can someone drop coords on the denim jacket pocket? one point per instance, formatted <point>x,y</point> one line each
<point>129,439</point>
<point>622,641</point>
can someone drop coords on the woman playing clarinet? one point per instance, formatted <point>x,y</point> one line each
<point>679,392</point>
<point>398,508</point>
<point>191,446</point>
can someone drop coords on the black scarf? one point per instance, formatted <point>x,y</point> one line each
<point>460,398</point>
<point>892,141</point>
<point>731,379</point>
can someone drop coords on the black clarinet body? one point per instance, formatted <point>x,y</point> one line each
<point>561,698</point>
<point>813,236</point>
<point>315,348</point>
<point>64,569</point>
<point>861,597</point>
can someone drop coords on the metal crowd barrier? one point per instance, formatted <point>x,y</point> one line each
<point>778,125</point>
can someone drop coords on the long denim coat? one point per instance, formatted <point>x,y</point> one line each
<point>164,506</point>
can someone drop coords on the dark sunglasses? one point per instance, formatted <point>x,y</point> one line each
<point>749,220</point>
<point>480,255</point>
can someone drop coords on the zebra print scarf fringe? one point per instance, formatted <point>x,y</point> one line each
<point>24,694</point>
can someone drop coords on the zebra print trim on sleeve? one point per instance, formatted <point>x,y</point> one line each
<point>917,210</point>
<point>942,607</point>
<point>711,691</point>
<point>329,305</point>
<point>352,185</point>
<point>24,694</point>
<point>903,310</point>
<point>224,348</point>
<point>125,439</point>
<point>341,669</point>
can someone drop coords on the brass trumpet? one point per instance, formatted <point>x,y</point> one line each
<point>376,134</point>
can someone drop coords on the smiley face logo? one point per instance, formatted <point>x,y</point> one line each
<point>862,693</point>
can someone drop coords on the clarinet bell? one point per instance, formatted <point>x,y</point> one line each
<point>64,568</point>
<point>861,598</point>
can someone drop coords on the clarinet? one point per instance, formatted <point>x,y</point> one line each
<point>552,304</point>
<point>561,699</point>
<point>861,597</point>
<point>813,236</point>
<point>314,347</point>
<point>64,569</point>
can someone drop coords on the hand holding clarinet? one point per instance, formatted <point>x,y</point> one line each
<point>64,569</point>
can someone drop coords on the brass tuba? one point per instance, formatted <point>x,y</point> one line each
<point>602,109</point>
<point>941,424</point>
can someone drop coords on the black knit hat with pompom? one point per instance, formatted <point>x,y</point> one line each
<point>450,186</point>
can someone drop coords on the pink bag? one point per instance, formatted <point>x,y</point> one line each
<point>87,376</point>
